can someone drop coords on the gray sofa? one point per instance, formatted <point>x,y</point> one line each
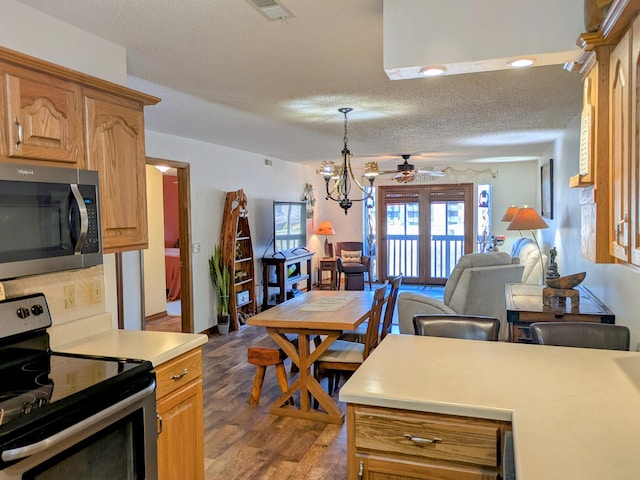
<point>526,251</point>
<point>475,287</point>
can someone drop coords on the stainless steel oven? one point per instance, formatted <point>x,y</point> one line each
<point>49,219</point>
<point>68,416</point>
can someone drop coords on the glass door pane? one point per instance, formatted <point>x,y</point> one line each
<point>447,237</point>
<point>403,228</point>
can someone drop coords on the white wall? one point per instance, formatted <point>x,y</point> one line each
<point>216,170</point>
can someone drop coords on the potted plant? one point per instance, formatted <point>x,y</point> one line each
<point>221,279</point>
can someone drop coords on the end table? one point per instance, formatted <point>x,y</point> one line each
<point>328,265</point>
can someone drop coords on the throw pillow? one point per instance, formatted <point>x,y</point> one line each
<point>351,256</point>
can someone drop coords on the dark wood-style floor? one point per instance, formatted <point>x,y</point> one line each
<point>246,442</point>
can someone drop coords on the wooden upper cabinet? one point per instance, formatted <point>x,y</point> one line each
<point>115,147</point>
<point>620,134</point>
<point>635,145</point>
<point>42,117</point>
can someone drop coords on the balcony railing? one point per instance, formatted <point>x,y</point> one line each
<point>402,255</point>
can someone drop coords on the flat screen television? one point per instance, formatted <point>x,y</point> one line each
<point>289,226</point>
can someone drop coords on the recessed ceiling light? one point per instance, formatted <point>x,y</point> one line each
<point>432,71</point>
<point>521,62</point>
<point>162,168</point>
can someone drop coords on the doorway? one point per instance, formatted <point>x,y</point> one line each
<point>424,230</point>
<point>180,249</point>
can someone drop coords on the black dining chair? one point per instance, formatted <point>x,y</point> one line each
<point>469,327</point>
<point>581,334</point>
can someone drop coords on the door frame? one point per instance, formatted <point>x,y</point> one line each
<point>184,228</point>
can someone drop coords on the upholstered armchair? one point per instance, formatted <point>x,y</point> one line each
<point>527,252</point>
<point>354,264</point>
<point>475,287</point>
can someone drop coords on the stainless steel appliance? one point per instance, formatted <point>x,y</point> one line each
<point>49,219</point>
<point>70,416</point>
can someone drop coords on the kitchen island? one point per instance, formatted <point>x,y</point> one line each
<point>574,412</point>
<point>177,360</point>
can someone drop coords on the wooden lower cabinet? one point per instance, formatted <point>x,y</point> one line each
<point>180,417</point>
<point>391,444</point>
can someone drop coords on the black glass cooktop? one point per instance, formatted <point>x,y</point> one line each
<point>44,392</point>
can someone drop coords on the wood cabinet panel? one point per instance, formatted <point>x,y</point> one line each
<point>443,447</point>
<point>594,198</point>
<point>181,440</point>
<point>635,144</point>
<point>378,469</point>
<point>180,410</point>
<point>175,374</point>
<point>115,147</point>
<point>619,135</point>
<point>42,117</point>
<point>459,441</point>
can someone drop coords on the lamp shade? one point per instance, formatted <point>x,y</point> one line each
<point>326,228</point>
<point>527,219</point>
<point>510,213</point>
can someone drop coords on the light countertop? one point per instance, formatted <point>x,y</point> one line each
<point>575,412</point>
<point>96,336</point>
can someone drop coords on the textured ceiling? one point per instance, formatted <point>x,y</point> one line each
<point>229,76</point>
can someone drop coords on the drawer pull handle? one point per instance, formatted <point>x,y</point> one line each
<point>422,441</point>
<point>180,375</point>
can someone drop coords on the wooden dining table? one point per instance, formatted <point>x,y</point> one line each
<point>309,316</point>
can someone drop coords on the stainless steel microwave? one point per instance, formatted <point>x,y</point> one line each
<point>49,219</point>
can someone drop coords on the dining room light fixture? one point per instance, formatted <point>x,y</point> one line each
<point>527,218</point>
<point>342,175</point>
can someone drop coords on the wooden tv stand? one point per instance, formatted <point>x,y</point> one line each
<point>282,261</point>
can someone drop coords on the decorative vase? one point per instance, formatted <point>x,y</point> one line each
<point>223,324</point>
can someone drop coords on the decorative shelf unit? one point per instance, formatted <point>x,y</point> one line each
<point>288,272</point>
<point>237,252</point>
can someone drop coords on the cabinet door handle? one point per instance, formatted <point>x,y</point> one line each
<point>361,470</point>
<point>20,133</point>
<point>422,441</point>
<point>180,375</point>
<point>158,422</point>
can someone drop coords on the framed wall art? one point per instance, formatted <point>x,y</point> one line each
<point>546,189</point>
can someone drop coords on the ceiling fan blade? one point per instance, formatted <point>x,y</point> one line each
<point>433,173</point>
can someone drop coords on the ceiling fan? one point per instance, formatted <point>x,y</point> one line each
<point>407,172</point>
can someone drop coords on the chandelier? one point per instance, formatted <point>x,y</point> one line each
<point>342,175</point>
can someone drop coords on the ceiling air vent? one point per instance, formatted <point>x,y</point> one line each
<point>271,9</point>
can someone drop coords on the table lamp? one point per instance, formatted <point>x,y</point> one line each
<point>325,229</point>
<point>526,218</point>
<point>510,213</point>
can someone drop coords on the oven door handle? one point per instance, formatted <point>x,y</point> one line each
<point>73,431</point>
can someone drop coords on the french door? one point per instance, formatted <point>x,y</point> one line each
<point>424,230</point>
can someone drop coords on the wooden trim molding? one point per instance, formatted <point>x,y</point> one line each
<point>27,61</point>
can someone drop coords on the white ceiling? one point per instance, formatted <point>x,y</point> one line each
<point>229,76</point>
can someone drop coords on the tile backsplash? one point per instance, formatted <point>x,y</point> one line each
<point>85,281</point>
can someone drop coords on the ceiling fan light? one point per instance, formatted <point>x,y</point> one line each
<point>432,71</point>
